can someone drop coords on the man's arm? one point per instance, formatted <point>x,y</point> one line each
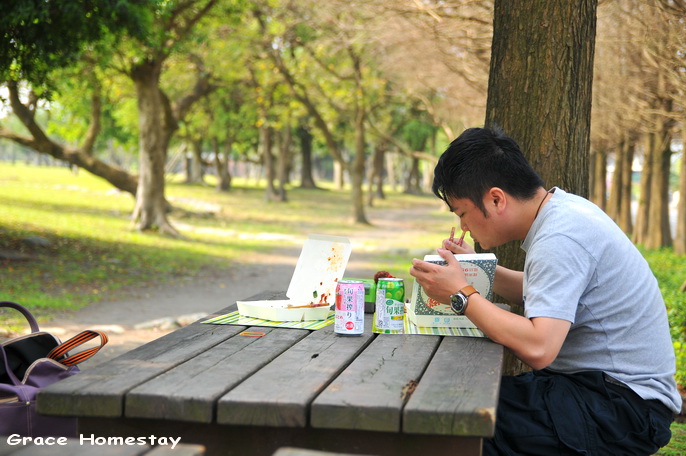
<point>535,341</point>
<point>509,284</point>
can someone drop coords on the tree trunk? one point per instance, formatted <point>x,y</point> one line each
<point>221,164</point>
<point>195,168</point>
<point>376,177</point>
<point>305,137</point>
<point>428,168</point>
<point>680,240</point>
<point>155,131</point>
<point>641,228</point>
<point>338,174</point>
<point>300,92</point>
<point>539,92</point>
<point>625,219</point>
<point>357,168</point>
<point>619,201</point>
<point>412,180</point>
<point>599,176</point>
<point>266,135</point>
<point>659,231</point>
<point>616,186</point>
<point>391,178</point>
<point>284,162</point>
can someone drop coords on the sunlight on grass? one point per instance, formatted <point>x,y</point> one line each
<point>94,252</point>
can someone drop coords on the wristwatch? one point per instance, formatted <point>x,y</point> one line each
<point>458,301</point>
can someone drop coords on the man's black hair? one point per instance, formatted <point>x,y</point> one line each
<point>482,158</point>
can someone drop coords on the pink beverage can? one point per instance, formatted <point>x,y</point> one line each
<point>349,316</point>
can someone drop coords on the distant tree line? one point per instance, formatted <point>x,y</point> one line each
<point>280,83</point>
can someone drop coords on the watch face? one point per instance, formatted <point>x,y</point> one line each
<point>458,303</point>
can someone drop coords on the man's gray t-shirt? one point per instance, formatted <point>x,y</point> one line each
<point>582,268</point>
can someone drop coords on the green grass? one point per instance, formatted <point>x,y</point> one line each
<point>677,446</point>
<point>95,253</point>
<point>669,271</point>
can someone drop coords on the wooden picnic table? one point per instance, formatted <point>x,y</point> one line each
<point>378,394</point>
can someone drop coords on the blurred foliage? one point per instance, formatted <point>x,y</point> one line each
<point>669,270</point>
<point>41,35</point>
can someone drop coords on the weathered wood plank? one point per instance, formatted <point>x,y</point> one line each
<point>222,440</point>
<point>100,391</point>
<point>355,399</point>
<point>188,392</point>
<point>289,451</point>
<point>6,449</point>
<point>180,450</point>
<point>72,448</point>
<point>281,392</point>
<point>458,393</point>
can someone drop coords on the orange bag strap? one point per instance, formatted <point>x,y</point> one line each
<point>79,339</point>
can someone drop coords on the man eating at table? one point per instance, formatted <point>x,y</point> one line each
<point>594,329</point>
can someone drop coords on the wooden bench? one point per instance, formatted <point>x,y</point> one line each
<point>290,451</point>
<point>375,394</point>
<point>74,447</point>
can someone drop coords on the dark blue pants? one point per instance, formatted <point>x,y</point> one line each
<point>545,413</point>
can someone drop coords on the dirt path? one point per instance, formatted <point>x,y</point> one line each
<point>147,314</point>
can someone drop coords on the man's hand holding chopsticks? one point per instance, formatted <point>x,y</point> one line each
<point>458,246</point>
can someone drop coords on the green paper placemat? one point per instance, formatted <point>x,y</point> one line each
<point>234,318</point>
<point>411,328</point>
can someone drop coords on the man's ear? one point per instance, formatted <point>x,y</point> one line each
<point>497,198</point>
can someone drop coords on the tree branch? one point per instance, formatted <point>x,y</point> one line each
<point>401,146</point>
<point>326,67</point>
<point>296,89</point>
<point>41,143</point>
<point>182,31</point>
<point>96,113</point>
<point>202,88</point>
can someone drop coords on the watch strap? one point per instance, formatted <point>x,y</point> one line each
<point>468,291</point>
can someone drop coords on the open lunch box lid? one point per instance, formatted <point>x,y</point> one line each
<point>320,267</point>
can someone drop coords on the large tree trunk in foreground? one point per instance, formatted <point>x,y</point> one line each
<point>539,92</point>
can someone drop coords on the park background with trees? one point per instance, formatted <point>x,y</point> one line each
<point>366,93</point>
<point>363,93</point>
